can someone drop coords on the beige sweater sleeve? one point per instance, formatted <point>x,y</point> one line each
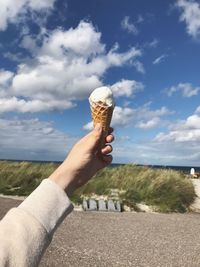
<point>26,231</point>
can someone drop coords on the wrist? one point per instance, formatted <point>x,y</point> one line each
<point>63,180</point>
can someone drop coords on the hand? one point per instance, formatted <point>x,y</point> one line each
<point>83,161</point>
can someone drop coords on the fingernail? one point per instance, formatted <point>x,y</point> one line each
<point>98,127</point>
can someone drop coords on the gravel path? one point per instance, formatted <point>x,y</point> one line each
<point>196,183</point>
<point>196,205</point>
<point>89,239</point>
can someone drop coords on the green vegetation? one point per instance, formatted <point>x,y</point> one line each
<point>166,189</point>
<point>21,178</point>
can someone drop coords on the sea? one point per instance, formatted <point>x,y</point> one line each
<point>184,169</point>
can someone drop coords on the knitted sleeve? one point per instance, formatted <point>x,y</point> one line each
<point>26,231</point>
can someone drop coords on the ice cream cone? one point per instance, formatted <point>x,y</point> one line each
<point>102,106</point>
<point>101,113</point>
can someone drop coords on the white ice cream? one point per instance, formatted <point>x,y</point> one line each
<point>103,94</point>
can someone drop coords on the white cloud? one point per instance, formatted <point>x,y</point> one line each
<point>179,146</point>
<point>146,112</point>
<point>126,88</point>
<point>5,77</point>
<point>83,40</point>
<point>38,140</point>
<point>177,136</point>
<point>15,57</point>
<point>66,66</point>
<point>140,19</point>
<point>186,89</point>
<point>33,139</point>
<point>197,110</point>
<point>157,153</point>
<point>122,116</point>
<point>38,4</point>
<point>142,117</point>
<point>190,14</point>
<point>88,126</point>
<point>152,123</point>
<point>160,59</point>
<point>11,11</point>
<point>5,81</point>
<point>153,44</point>
<point>139,66</point>
<point>14,104</point>
<point>193,122</point>
<point>147,151</point>
<point>184,131</point>
<point>127,25</point>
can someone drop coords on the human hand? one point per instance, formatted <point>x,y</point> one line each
<point>84,160</point>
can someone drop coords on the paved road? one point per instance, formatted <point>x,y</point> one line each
<point>89,239</point>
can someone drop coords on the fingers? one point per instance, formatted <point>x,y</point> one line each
<point>110,130</point>
<point>94,137</point>
<point>107,159</point>
<point>107,149</point>
<point>109,138</point>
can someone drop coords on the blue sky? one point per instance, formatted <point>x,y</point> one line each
<point>53,53</point>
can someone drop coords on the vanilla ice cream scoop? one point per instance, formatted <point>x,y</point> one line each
<point>102,94</point>
<point>102,106</point>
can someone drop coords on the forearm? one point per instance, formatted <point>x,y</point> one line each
<point>26,231</point>
<point>63,176</point>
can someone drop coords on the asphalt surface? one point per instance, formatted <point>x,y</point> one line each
<point>122,239</point>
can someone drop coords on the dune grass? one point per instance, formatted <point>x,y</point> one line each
<point>168,190</point>
<point>21,178</point>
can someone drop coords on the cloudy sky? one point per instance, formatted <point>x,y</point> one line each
<point>53,53</point>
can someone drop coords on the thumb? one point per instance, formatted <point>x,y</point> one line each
<point>95,137</point>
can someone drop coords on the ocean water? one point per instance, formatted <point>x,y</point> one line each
<point>185,169</point>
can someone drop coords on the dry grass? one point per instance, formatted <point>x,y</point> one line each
<point>21,178</point>
<point>168,190</point>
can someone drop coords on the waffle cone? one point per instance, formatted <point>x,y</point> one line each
<point>101,113</point>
